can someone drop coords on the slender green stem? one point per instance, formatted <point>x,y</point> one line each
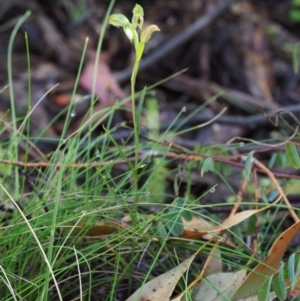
<point>29,90</point>
<point>14,142</point>
<point>139,53</point>
<point>136,147</point>
<point>72,105</point>
<point>135,126</point>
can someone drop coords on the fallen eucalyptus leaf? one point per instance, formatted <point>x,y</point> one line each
<point>218,286</point>
<point>161,287</point>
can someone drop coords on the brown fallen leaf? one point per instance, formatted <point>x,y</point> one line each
<point>241,216</point>
<point>213,285</point>
<point>99,228</point>
<point>214,262</point>
<point>106,90</point>
<point>161,287</point>
<point>213,265</point>
<point>235,219</point>
<point>268,267</point>
<point>198,228</point>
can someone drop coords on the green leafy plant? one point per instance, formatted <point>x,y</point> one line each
<point>175,214</point>
<point>292,155</point>
<point>294,11</point>
<point>285,281</point>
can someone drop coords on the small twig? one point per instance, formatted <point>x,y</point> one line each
<point>231,160</point>
<point>277,116</point>
<point>266,144</point>
<point>239,198</point>
<point>248,121</point>
<point>278,187</point>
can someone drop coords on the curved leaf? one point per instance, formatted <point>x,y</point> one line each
<point>207,165</point>
<point>292,155</point>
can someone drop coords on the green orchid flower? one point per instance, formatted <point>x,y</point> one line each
<point>138,16</point>
<point>147,33</point>
<point>118,20</point>
<point>139,42</point>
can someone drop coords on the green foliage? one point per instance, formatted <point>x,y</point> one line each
<point>289,273</point>
<point>174,222</point>
<point>177,211</point>
<point>207,165</point>
<point>210,165</point>
<point>248,166</point>
<point>278,159</point>
<point>294,11</point>
<point>157,181</point>
<point>292,155</point>
<point>76,8</point>
<point>264,292</point>
<point>279,285</point>
<point>185,213</point>
<point>294,15</point>
<point>252,224</point>
<point>294,269</point>
<point>295,50</point>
